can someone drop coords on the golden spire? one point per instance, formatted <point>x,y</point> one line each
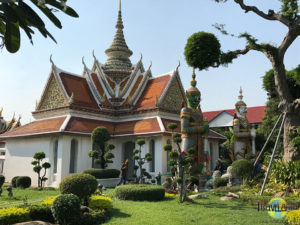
<point>120,4</point>
<point>1,112</point>
<point>118,65</point>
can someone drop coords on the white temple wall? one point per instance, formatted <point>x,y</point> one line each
<point>19,156</point>
<point>222,120</point>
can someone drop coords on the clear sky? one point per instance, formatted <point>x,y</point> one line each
<point>156,28</point>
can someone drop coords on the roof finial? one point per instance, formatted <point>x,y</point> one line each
<point>178,65</point>
<point>120,5</point>
<point>94,54</point>
<point>240,97</point>
<point>51,60</point>
<point>1,110</point>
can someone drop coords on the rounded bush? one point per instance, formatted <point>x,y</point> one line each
<point>220,182</point>
<point>103,173</point>
<point>202,50</point>
<point>140,192</point>
<point>93,218</point>
<point>100,135</point>
<point>83,185</point>
<point>98,202</point>
<point>14,181</point>
<point>242,168</point>
<point>23,182</point>
<point>66,209</point>
<point>2,179</point>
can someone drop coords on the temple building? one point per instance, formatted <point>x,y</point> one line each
<point>125,98</point>
<point>6,126</point>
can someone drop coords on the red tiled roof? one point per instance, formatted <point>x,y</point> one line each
<point>36,127</point>
<point>99,87</point>
<point>83,125</point>
<point>122,85</point>
<point>254,115</point>
<point>154,87</point>
<point>79,87</point>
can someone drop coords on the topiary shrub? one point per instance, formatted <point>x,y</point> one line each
<point>41,212</point>
<point>13,215</point>
<point>242,168</point>
<point>103,173</point>
<point>140,192</point>
<point>66,209</point>
<point>14,181</point>
<point>23,182</point>
<point>93,218</point>
<point>97,202</point>
<point>220,182</point>
<point>83,185</point>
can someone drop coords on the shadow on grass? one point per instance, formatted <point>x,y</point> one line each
<point>239,206</point>
<point>117,213</point>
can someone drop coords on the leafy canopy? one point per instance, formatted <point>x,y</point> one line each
<point>18,14</point>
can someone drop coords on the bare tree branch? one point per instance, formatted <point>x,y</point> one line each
<point>289,38</point>
<point>270,16</point>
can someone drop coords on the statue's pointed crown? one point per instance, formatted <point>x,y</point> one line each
<point>193,88</point>
<point>240,99</point>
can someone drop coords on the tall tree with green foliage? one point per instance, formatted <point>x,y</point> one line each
<point>272,111</point>
<point>101,154</point>
<point>289,17</point>
<point>39,165</point>
<point>19,14</point>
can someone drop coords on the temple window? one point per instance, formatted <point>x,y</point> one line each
<point>73,156</point>
<point>55,148</point>
<point>152,152</point>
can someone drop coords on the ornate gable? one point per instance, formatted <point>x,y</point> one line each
<point>172,99</point>
<point>53,96</point>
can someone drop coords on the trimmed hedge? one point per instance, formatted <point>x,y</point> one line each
<point>220,182</point>
<point>23,182</point>
<point>242,168</point>
<point>14,181</point>
<point>13,215</point>
<point>140,192</point>
<point>99,202</point>
<point>41,212</point>
<point>82,185</point>
<point>66,209</point>
<point>103,173</point>
<point>2,179</point>
<point>93,218</point>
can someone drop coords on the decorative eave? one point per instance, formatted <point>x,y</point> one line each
<point>175,75</point>
<point>54,73</point>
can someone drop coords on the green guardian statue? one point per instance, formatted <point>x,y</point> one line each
<point>193,128</point>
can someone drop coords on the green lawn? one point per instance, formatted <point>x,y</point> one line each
<point>211,211</point>
<point>31,195</point>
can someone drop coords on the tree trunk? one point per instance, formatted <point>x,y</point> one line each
<point>286,105</point>
<point>292,121</point>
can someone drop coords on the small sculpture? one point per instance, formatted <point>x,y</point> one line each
<point>100,188</point>
<point>241,130</point>
<point>10,193</point>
